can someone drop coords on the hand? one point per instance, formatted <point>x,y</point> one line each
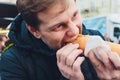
<point>109,67</point>
<point>69,61</point>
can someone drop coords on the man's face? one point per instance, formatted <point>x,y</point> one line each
<point>60,25</point>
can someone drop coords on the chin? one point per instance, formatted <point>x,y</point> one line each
<point>57,47</point>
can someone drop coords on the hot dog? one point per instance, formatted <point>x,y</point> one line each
<point>83,39</point>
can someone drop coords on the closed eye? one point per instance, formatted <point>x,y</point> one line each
<point>75,14</point>
<point>58,27</point>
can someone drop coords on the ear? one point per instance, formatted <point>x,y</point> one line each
<point>33,31</point>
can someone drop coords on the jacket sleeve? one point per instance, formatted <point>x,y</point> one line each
<point>10,67</point>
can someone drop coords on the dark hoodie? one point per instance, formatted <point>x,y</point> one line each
<point>31,59</point>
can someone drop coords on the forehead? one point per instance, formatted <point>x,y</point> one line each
<point>55,10</point>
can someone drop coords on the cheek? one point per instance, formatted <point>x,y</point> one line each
<point>80,29</point>
<point>55,38</point>
<point>56,42</point>
<point>79,24</point>
<point>58,39</point>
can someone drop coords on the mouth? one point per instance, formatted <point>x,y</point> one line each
<point>71,40</point>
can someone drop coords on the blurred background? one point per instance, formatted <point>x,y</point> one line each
<point>102,15</point>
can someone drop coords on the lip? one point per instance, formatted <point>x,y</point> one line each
<point>72,39</point>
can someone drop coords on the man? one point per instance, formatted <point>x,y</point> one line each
<point>39,34</point>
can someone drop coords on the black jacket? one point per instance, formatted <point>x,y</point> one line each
<point>32,59</point>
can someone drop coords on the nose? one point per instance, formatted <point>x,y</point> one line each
<point>72,29</point>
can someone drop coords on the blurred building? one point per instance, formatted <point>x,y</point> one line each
<point>102,15</point>
<point>115,6</point>
<point>91,8</point>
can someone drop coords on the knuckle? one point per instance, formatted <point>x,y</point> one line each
<point>107,61</point>
<point>58,52</point>
<point>61,69</point>
<point>64,56</point>
<point>99,49</point>
<point>116,76</point>
<point>108,78</point>
<point>69,59</point>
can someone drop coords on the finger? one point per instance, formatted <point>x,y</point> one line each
<point>104,57</point>
<point>93,59</point>
<point>76,65</point>
<point>59,52</point>
<point>101,70</point>
<point>115,59</point>
<point>67,52</point>
<point>72,57</point>
<point>77,69</point>
<point>65,71</point>
<point>115,75</point>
